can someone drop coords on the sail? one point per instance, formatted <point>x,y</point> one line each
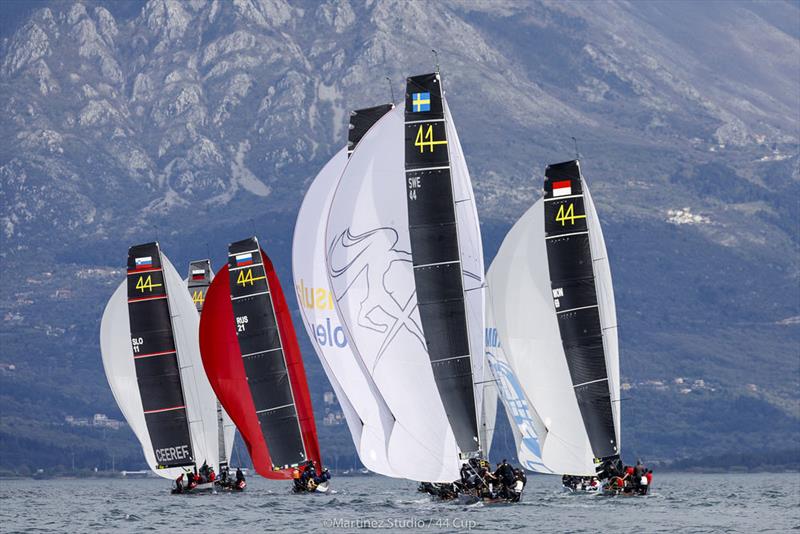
<point>572,275</point>
<point>251,355</point>
<point>200,277</point>
<point>441,255</point>
<point>148,340</point>
<point>368,418</point>
<point>525,423</point>
<point>527,329</point>
<point>376,242</point>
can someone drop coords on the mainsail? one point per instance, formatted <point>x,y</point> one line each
<point>541,329</point>
<point>368,418</point>
<point>148,339</point>
<point>376,241</point>
<point>446,252</point>
<point>251,355</point>
<point>200,277</point>
<point>571,259</point>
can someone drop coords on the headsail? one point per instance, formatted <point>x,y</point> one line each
<point>200,277</point>
<point>525,423</point>
<point>148,339</point>
<point>368,418</point>
<point>571,261</point>
<point>251,355</point>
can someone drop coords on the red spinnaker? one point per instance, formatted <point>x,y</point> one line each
<point>222,360</point>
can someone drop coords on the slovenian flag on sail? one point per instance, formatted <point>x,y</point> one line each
<point>144,262</point>
<point>198,274</point>
<point>244,259</point>
<point>562,188</point>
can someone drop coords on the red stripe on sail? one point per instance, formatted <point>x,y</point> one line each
<point>142,271</point>
<point>139,299</point>
<point>223,363</point>
<point>294,364</point>
<point>165,409</point>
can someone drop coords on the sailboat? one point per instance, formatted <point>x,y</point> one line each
<point>200,277</point>
<point>250,353</point>
<point>150,351</point>
<point>405,267</point>
<point>368,418</point>
<point>553,309</point>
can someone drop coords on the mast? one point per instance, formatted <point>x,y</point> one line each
<point>437,257</point>
<point>576,304</point>
<point>156,359</point>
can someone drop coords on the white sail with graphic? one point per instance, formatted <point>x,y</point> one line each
<point>368,418</point>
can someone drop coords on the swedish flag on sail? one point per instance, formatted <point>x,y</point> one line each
<point>420,102</point>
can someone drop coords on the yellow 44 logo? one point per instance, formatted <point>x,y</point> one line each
<point>146,283</point>
<point>246,277</point>
<point>567,215</point>
<point>425,139</point>
<point>197,297</point>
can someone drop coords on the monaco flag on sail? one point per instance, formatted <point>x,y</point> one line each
<point>562,188</point>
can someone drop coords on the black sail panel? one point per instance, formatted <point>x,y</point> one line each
<point>435,256</point>
<point>200,275</point>
<point>156,360</point>
<point>361,120</point>
<point>262,351</point>
<point>569,258</point>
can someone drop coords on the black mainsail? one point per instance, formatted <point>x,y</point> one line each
<point>572,280</point>
<point>156,359</point>
<point>436,257</point>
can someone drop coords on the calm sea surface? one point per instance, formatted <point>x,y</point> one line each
<point>679,503</point>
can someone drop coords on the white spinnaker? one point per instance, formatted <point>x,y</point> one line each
<point>471,254</point>
<point>117,352</point>
<point>527,326</point>
<point>368,418</point>
<point>607,307</point>
<point>525,423</point>
<point>371,277</point>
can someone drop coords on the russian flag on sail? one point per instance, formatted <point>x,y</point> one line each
<point>198,274</point>
<point>244,259</point>
<point>562,188</point>
<point>144,262</point>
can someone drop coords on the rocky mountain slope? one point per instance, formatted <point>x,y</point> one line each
<point>200,122</point>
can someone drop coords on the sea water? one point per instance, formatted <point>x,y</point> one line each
<point>678,503</point>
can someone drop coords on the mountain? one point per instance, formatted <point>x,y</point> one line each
<point>199,122</point>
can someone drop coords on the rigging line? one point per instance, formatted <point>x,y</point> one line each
<point>575,142</point>
<point>391,89</point>
<point>435,59</point>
